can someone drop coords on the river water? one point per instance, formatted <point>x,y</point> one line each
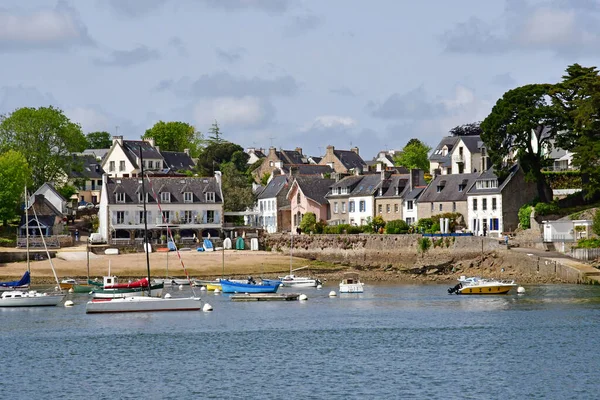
<point>400,341</point>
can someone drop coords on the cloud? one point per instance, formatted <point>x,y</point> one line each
<point>222,84</point>
<point>13,97</point>
<point>560,27</point>
<point>233,112</point>
<point>303,23</point>
<point>134,8</point>
<point>343,91</point>
<point>269,6</point>
<point>178,45</point>
<point>126,58</point>
<point>48,28</point>
<point>410,105</point>
<point>325,122</point>
<point>230,56</point>
<point>91,119</point>
<point>504,80</point>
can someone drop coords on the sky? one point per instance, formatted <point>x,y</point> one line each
<point>288,73</point>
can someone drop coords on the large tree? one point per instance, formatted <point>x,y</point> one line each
<point>99,140</point>
<point>175,136</point>
<point>472,129</point>
<point>237,190</point>
<point>46,137</point>
<point>577,99</point>
<point>14,175</point>
<point>216,153</point>
<point>521,127</point>
<point>414,155</point>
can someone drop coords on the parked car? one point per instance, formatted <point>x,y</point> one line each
<point>84,205</point>
<point>95,238</point>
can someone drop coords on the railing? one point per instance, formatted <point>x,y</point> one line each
<point>458,158</point>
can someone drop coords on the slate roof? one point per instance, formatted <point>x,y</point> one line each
<point>274,187</point>
<point>316,160</point>
<point>473,143</point>
<point>348,181</point>
<point>98,153</point>
<point>450,142</point>
<point>87,166</point>
<point>397,181</point>
<point>177,160</point>
<point>314,188</point>
<point>132,150</point>
<point>259,153</point>
<point>48,204</point>
<point>450,191</point>
<point>308,169</point>
<point>367,186</point>
<point>415,193</point>
<point>490,174</point>
<point>349,159</point>
<point>174,185</point>
<point>290,157</point>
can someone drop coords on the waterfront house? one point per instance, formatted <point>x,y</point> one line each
<point>274,206</point>
<point>493,203</point>
<point>307,194</point>
<point>343,161</point>
<point>392,202</point>
<point>86,176</point>
<point>446,194</point>
<point>277,160</point>
<point>123,158</point>
<point>361,203</point>
<point>339,197</point>
<point>440,160</point>
<point>468,155</point>
<point>191,206</point>
<point>51,195</point>
<point>44,218</point>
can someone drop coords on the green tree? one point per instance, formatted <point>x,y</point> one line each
<point>377,223</point>
<point>265,179</point>
<point>507,133</point>
<point>175,136</point>
<point>472,129</point>
<point>46,137</point>
<point>414,155</point>
<point>309,222</point>
<point>596,222</point>
<point>67,191</point>
<point>98,140</point>
<point>237,191</point>
<point>215,153</point>
<point>215,135</point>
<point>14,175</point>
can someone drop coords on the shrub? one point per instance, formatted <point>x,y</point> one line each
<point>424,244</point>
<point>524,214</point>
<point>435,228</point>
<point>396,226</point>
<point>341,229</point>
<point>309,220</point>
<point>588,244</point>
<point>596,222</point>
<point>424,224</point>
<point>377,223</point>
<point>546,208</point>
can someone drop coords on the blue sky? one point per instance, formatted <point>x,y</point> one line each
<point>287,73</point>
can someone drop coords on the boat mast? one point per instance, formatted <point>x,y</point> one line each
<point>145,241</point>
<point>27,230</point>
<point>87,254</point>
<point>291,248</point>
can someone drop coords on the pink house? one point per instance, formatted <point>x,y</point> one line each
<point>307,194</point>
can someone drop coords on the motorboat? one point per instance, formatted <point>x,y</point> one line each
<point>351,283</point>
<point>68,283</point>
<point>477,285</point>
<point>299,281</point>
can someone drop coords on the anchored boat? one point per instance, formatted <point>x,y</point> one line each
<point>476,285</point>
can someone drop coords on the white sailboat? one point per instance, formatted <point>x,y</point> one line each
<point>143,303</point>
<point>292,280</point>
<point>31,298</point>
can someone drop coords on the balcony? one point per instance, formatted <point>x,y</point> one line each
<point>458,158</point>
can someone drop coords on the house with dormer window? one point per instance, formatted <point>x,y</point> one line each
<point>344,161</point>
<point>274,206</point>
<point>446,194</point>
<point>392,203</point>
<point>307,194</point>
<point>339,199</point>
<point>361,203</point>
<point>276,160</point>
<point>190,206</point>
<point>494,203</point>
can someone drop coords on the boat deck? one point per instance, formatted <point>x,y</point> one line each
<point>265,297</point>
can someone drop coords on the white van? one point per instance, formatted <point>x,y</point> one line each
<point>95,238</point>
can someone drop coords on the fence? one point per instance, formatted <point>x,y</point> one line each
<point>585,254</point>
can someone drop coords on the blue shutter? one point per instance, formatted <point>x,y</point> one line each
<point>204,217</point>
<point>217,216</point>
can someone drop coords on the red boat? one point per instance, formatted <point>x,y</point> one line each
<point>135,284</point>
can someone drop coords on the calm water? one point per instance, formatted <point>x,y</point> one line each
<point>390,342</point>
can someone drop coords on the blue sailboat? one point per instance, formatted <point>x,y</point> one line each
<point>22,283</point>
<point>228,286</point>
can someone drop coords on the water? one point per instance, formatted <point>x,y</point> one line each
<point>408,341</point>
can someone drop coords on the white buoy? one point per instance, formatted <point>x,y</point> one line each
<point>217,291</point>
<point>521,290</point>
<point>168,296</point>
<point>319,286</point>
<point>69,303</point>
<point>71,290</point>
<point>202,288</point>
<point>180,287</point>
<point>332,293</point>
<point>303,297</point>
<point>207,307</point>
<point>56,288</point>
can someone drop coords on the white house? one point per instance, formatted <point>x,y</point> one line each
<point>191,206</point>
<point>468,154</point>
<point>52,196</point>
<point>409,205</point>
<point>273,205</point>
<point>361,202</point>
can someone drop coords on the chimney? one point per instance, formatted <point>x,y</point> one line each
<point>186,151</point>
<point>272,151</point>
<point>385,174</point>
<point>150,140</point>
<point>417,178</point>
<point>218,177</point>
<point>329,150</point>
<point>299,150</point>
<point>354,150</point>
<point>118,139</point>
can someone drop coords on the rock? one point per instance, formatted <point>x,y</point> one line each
<point>432,271</point>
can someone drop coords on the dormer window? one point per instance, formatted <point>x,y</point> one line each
<point>461,187</point>
<point>165,197</point>
<point>210,197</point>
<point>187,197</point>
<point>141,199</point>
<point>439,188</point>
<point>120,197</point>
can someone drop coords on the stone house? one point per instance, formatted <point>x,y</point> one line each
<point>390,203</point>
<point>307,194</point>
<point>274,206</point>
<point>339,197</point>
<point>493,204</point>
<point>343,161</point>
<point>446,194</point>
<point>49,192</point>
<point>277,159</point>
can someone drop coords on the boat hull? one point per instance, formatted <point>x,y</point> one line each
<point>213,286</point>
<point>31,299</point>
<point>491,289</point>
<point>84,288</point>
<point>351,288</point>
<point>232,287</point>
<point>142,304</point>
<point>172,281</point>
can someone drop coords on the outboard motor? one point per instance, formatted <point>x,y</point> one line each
<point>455,289</point>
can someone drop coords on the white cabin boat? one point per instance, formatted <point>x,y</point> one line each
<point>142,304</point>
<point>299,281</point>
<point>351,283</point>
<point>30,298</point>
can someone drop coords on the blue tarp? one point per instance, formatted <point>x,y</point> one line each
<point>24,281</point>
<point>171,246</point>
<point>208,244</point>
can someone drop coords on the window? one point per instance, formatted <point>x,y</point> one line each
<point>271,163</point>
<point>120,197</point>
<point>474,204</point>
<point>121,165</point>
<point>388,208</point>
<point>141,217</point>
<point>396,207</point>
<point>461,187</point>
<point>165,197</point>
<point>166,216</point>
<point>494,225</point>
<point>210,197</point>
<point>432,205</point>
<point>351,207</point>
<point>187,217</point>
<point>150,164</point>
<point>335,207</point>
<point>111,166</point>
<point>409,205</point>
<point>95,199</point>
<point>120,217</point>
<point>210,217</point>
<point>439,188</point>
<point>298,197</point>
<point>343,207</point>
<point>380,208</point>
<point>440,206</point>
<point>453,206</point>
<point>410,220</point>
<point>493,203</point>
<point>362,207</point>
<point>484,204</point>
